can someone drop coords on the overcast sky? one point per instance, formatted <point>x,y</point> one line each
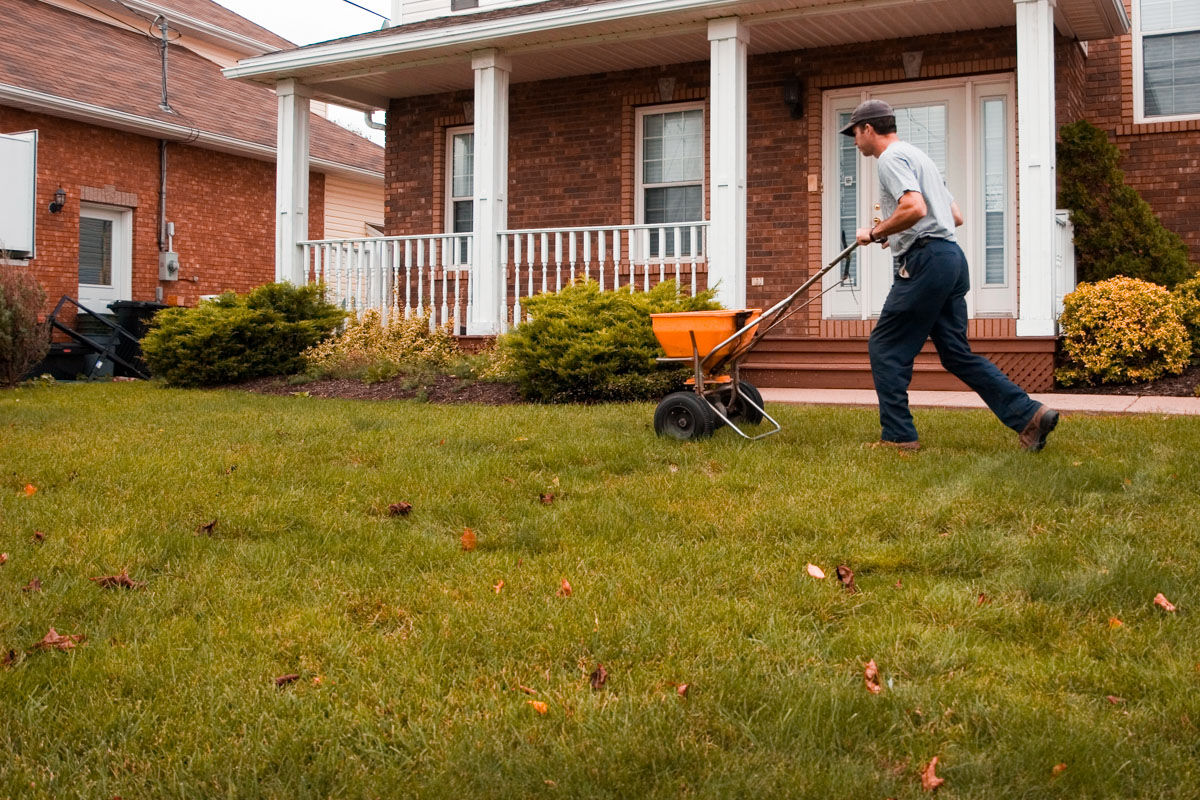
<point>308,21</point>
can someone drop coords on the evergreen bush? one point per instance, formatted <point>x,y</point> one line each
<point>237,337</point>
<point>23,340</point>
<point>1187,294</point>
<point>1116,231</point>
<point>583,344</point>
<point>1121,330</point>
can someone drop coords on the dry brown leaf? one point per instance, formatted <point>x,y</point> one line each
<point>1113,622</point>
<point>30,490</point>
<point>1058,769</point>
<point>899,585</point>
<point>34,585</point>
<point>550,783</point>
<point>284,680</point>
<point>983,599</point>
<point>1163,603</point>
<point>207,528</point>
<point>318,680</point>
<point>122,581</point>
<point>498,587</point>
<point>3,559</point>
<point>565,589</point>
<point>871,677</point>
<point>399,509</point>
<point>1116,701</point>
<point>526,689</point>
<point>39,536</point>
<point>8,658</point>
<point>54,641</point>
<point>547,498</point>
<point>682,689</point>
<point>538,706</point>
<point>815,571</point>
<point>846,576</point>
<point>599,677</point>
<point>468,539</point>
<point>929,780</point>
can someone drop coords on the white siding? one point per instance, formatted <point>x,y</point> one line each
<point>349,206</point>
<point>405,11</point>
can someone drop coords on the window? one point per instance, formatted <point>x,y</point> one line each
<point>671,172</point>
<point>460,188</point>
<point>1168,37</point>
<point>463,5</point>
<point>995,163</point>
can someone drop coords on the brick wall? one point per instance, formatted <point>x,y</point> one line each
<point>1161,160</point>
<point>222,205</point>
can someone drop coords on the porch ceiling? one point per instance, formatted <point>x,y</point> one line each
<point>580,39</point>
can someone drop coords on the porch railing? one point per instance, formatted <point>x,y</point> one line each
<point>396,275</point>
<point>542,260</point>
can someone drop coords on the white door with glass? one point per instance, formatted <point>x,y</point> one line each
<point>966,129</point>
<point>105,256</point>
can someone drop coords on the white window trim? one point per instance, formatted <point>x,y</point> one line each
<point>448,187</point>
<point>639,194</point>
<point>1139,72</point>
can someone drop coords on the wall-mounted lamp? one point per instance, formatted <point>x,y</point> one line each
<point>793,97</point>
<point>60,200</point>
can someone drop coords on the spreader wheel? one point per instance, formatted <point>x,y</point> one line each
<point>743,411</point>
<point>684,415</point>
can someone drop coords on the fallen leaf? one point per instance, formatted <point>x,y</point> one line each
<point>122,581</point>
<point>8,658</point>
<point>54,641</point>
<point>34,585</point>
<point>1116,701</point>
<point>871,677</point>
<point>3,559</point>
<point>284,680</point>
<point>1113,622</point>
<point>565,589</point>
<point>929,780</point>
<point>815,571</point>
<point>498,587</point>
<point>899,585</point>
<point>1058,769</point>
<point>846,576</point>
<point>30,490</point>
<point>1163,603</point>
<point>316,681</point>
<point>509,480</point>
<point>1076,463</point>
<point>599,677</point>
<point>526,689</point>
<point>399,509</point>
<point>232,469</point>
<point>550,783</point>
<point>38,536</point>
<point>673,467</point>
<point>521,439</point>
<point>682,689</point>
<point>207,528</point>
<point>983,598</point>
<point>538,706</point>
<point>547,498</point>
<point>468,539</point>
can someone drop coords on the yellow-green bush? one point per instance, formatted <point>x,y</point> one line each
<point>1121,330</point>
<point>366,343</point>
<point>1187,294</point>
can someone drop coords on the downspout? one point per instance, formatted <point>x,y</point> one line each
<point>162,195</point>
<point>369,119</point>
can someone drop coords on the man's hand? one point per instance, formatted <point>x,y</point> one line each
<point>863,236</point>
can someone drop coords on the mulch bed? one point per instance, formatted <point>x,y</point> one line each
<point>1183,385</point>
<point>441,389</point>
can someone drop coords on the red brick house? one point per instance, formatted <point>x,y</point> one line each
<point>634,139</point>
<point>141,171</point>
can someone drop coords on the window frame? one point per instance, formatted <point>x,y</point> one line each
<point>448,187</point>
<point>639,193</point>
<point>1139,72</point>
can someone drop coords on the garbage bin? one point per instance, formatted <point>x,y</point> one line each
<point>134,316</point>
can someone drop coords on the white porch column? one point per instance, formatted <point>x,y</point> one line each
<point>727,96</point>
<point>291,181</point>
<point>1038,192</point>
<point>491,189</point>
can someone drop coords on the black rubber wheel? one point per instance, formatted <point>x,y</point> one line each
<point>743,411</point>
<point>683,416</point>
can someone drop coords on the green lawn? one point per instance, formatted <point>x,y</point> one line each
<point>688,566</point>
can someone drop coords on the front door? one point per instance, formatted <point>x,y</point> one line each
<point>105,256</point>
<point>963,129</point>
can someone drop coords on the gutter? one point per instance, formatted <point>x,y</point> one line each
<point>171,131</point>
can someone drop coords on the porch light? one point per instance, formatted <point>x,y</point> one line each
<point>60,200</point>
<point>793,97</point>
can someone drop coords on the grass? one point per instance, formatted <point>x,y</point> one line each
<point>687,563</point>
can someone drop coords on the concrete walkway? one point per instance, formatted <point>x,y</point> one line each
<point>1087,403</point>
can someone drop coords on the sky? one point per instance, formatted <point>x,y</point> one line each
<point>308,21</point>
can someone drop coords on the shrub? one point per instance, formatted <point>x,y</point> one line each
<point>235,338</point>
<point>1116,231</point>
<point>1187,294</point>
<point>1121,330</point>
<point>584,344</point>
<point>23,340</point>
<point>368,347</point>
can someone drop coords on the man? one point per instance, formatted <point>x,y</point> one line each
<point>927,298</point>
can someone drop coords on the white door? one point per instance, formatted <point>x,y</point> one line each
<point>105,256</point>
<point>961,126</point>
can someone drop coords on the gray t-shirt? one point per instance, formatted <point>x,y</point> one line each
<point>904,168</point>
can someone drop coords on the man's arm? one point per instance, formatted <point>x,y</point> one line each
<point>958,217</point>
<point>910,210</point>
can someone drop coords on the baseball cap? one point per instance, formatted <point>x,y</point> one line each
<point>868,109</point>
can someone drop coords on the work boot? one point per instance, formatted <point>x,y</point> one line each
<point>885,444</point>
<point>1033,438</point>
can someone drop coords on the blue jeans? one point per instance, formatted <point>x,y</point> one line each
<point>930,303</point>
